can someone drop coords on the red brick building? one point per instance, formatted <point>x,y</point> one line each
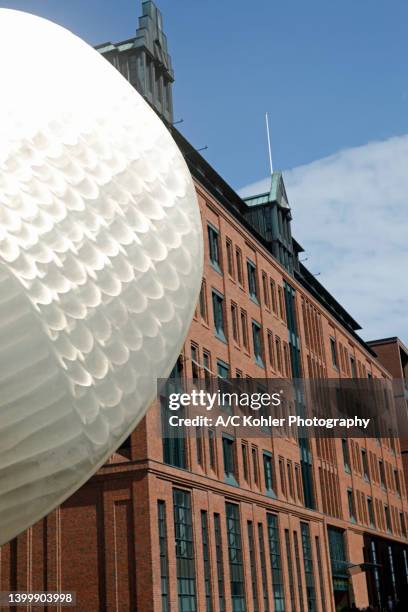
<point>219,523</point>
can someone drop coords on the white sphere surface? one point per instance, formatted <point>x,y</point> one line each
<point>100,263</point>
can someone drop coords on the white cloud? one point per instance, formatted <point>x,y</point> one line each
<point>351,215</point>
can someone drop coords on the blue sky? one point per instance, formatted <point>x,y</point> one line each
<point>330,74</point>
<point>333,77</point>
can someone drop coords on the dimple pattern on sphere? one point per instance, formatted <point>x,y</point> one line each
<point>100,263</point>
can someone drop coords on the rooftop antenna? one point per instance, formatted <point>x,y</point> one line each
<point>269,142</point>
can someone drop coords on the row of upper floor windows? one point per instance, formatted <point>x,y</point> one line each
<point>374,513</point>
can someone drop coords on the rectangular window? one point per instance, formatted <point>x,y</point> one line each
<point>214,248</point>
<point>228,455</point>
<point>397,482</point>
<point>174,450</point>
<point>218,310</point>
<point>257,341</point>
<point>298,569</point>
<point>235,558</point>
<point>203,302</point>
<point>220,562</point>
<point>222,369</point>
<point>276,566</point>
<point>244,327</point>
<point>382,474</point>
<point>252,281</point>
<point>346,455</point>
<point>206,561</point>
<point>234,318</point>
<point>230,258</point>
<point>282,476</point>
<point>263,567</point>
<point>353,367</point>
<point>278,353</point>
<point>320,569</point>
<point>183,533</point>
<point>290,479</point>
<point>273,297</point>
<point>350,501</point>
<point>164,560</point>
<point>290,571</point>
<point>265,288</point>
<point>308,565</point>
<point>403,527</point>
<point>195,362</point>
<point>211,443</point>
<point>252,560</point>
<point>281,302</point>
<point>299,486</point>
<point>207,368</point>
<point>388,519</point>
<point>364,459</point>
<point>199,446</point>
<point>255,466</point>
<point>240,273</point>
<point>268,474</point>
<point>270,349</point>
<point>333,349</point>
<point>370,509</point>
<point>244,448</point>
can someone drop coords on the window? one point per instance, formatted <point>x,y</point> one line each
<point>220,562</point>
<point>230,258</point>
<point>299,486</point>
<point>164,561</point>
<point>402,523</point>
<point>278,353</point>
<point>281,302</point>
<point>298,569</point>
<point>211,443</point>
<point>244,448</point>
<point>183,533</point>
<point>238,259</point>
<point>257,341</point>
<point>174,451</point>
<point>273,297</point>
<point>203,302</point>
<point>195,362</point>
<point>382,474</point>
<point>206,562</point>
<point>234,317</point>
<point>346,455</point>
<point>214,249</point>
<point>244,327</point>
<point>252,561</point>
<point>290,479</point>
<point>218,309</point>
<point>290,570</point>
<point>207,368</point>
<point>350,501</point>
<point>370,509</point>
<point>270,349</point>
<point>364,459</point>
<point>252,281</point>
<point>308,565</point>
<point>275,560</point>
<point>263,567</point>
<point>235,558</point>
<point>333,349</point>
<point>222,369</point>
<point>255,465</point>
<point>268,473</point>
<point>265,288</point>
<point>397,482</point>
<point>387,518</point>
<point>320,569</point>
<point>282,476</point>
<point>228,455</point>
<point>286,359</point>
<point>353,367</point>
<point>199,446</point>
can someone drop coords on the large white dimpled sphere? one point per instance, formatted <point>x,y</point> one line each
<point>100,263</point>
